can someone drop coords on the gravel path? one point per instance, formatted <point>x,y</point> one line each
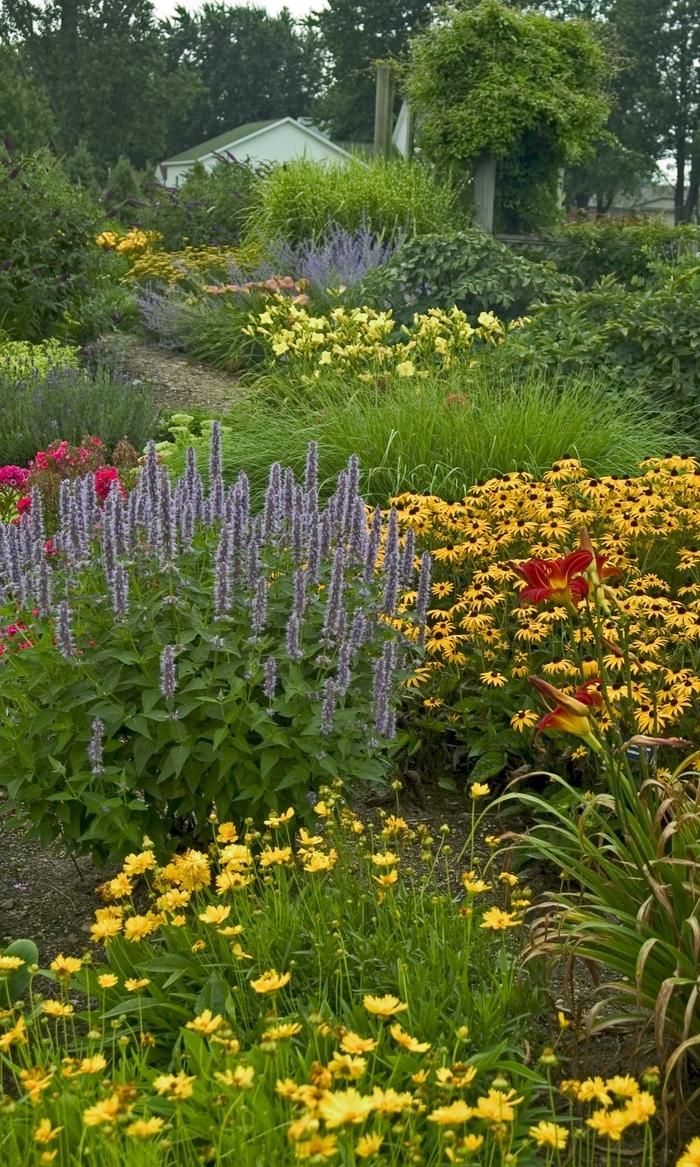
<point>180,383</point>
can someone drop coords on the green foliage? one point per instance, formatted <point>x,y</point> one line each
<point>649,337</point>
<point>209,209</point>
<point>627,251</point>
<point>298,201</point>
<point>51,265</point>
<point>67,404</point>
<point>81,168</point>
<point>486,79</point>
<point>632,852</point>
<point>441,434</point>
<point>469,269</point>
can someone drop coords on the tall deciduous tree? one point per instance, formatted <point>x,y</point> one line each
<point>355,34</point>
<point>527,89</point>
<point>248,65</point>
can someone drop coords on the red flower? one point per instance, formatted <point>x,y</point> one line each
<point>24,504</point>
<point>555,579</point>
<point>104,477</point>
<point>569,714</point>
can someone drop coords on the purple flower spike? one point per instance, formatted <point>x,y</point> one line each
<point>95,747</point>
<point>64,632</point>
<point>168,677</point>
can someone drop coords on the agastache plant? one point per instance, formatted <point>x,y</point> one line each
<point>284,625</point>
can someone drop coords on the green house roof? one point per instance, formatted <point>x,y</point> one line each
<point>221,141</point>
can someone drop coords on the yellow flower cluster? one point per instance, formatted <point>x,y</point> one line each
<point>647,528</point>
<point>136,242</point>
<point>369,342</point>
<point>175,267</point>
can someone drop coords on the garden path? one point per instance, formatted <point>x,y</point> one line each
<point>181,384</point>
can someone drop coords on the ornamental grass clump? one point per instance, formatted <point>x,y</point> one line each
<point>183,653</point>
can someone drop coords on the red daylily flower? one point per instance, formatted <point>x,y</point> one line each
<point>555,579</point>
<point>569,714</point>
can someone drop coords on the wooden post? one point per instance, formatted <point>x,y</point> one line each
<point>484,191</point>
<point>410,132</point>
<point>383,111</point>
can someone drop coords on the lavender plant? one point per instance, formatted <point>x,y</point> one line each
<point>184,654</point>
<point>336,259</point>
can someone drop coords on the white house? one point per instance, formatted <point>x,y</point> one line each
<point>278,140</point>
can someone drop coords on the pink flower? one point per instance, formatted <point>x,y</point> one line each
<point>24,504</point>
<point>50,548</point>
<point>13,476</point>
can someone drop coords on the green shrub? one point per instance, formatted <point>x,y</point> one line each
<point>302,199</point>
<point>590,251</point>
<point>50,263</point>
<point>182,663</point>
<point>648,337</point>
<point>69,403</point>
<point>208,209</point>
<point>468,268</point>
<point>441,434</point>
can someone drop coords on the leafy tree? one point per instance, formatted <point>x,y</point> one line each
<point>247,66</point>
<point>81,168</point>
<point>522,87</point>
<point>355,34</point>
<point>657,90</point>
<point>25,115</point>
<point>101,66</point>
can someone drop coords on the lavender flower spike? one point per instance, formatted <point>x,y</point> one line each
<point>64,632</point>
<point>270,682</point>
<point>95,746</point>
<point>168,678</point>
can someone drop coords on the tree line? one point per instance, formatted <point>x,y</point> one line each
<point>102,79</point>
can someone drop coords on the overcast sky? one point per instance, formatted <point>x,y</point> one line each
<point>296,7</point>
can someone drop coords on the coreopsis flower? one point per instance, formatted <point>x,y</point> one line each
<point>561,580</point>
<point>145,1128</point>
<point>479,789</point>
<point>53,1008</point>
<point>65,966</point>
<point>215,914</point>
<point>472,884</point>
<point>178,1086</point>
<point>282,1032</point>
<point>368,1145</point>
<point>10,963</point>
<point>205,1022</point>
<point>241,1078</point>
<point>350,1066</point>
<point>549,1134</point>
<point>316,1147</point>
<point>691,1154</point>
<point>496,920</point>
<point>106,1112</point>
<point>406,1041</point>
<point>497,1106</point>
<point>352,1043</point>
<point>594,1090</point>
<point>45,1132</point>
<point>107,980</point>
<point>610,1124</point>
<point>137,864</point>
<point>453,1114</point>
<point>344,1107</point>
<point>640,1108</point>
<point>134,984</point>
<point>390,1101</point>
<point>270,981</point>
<point>35,1081</point>
<point>227,833</point>
<point>386,1006</point>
